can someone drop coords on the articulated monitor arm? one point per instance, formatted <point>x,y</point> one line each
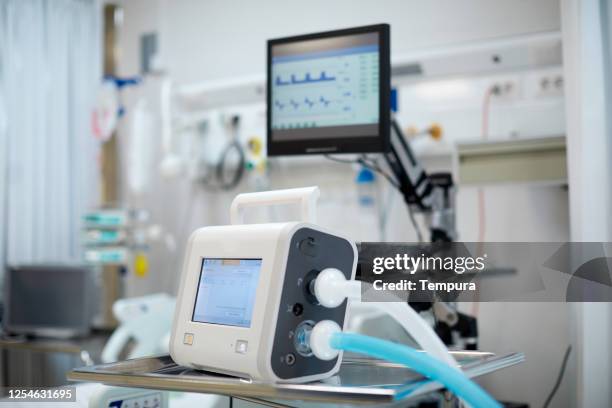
<point>434,194</point>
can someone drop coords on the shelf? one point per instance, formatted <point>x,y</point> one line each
<point>522,160</point>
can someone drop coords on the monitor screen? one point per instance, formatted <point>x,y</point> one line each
<point>226,291</point>
<point>329,92</point>
<point>47,297</point>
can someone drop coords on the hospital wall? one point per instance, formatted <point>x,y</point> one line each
<point>189,33</point>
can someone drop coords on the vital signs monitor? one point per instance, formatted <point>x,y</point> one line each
<point>329,92</point>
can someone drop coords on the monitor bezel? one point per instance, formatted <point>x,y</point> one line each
<point>378,143</point>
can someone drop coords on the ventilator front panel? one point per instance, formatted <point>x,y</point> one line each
<point>310,252</point>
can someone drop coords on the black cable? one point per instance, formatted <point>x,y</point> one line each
<point>238,171</point>
<point>348,161</point>
<point>375,167</point>
<point>415,225</point>
<point>559,377</point>
<point>365,162</point>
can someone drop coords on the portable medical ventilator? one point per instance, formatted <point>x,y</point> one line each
<point>246,295</point>
<point>268,302</point>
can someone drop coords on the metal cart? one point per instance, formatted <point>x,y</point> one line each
<point>360,381</point>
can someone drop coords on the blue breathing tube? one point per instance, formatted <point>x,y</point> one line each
<point>430,367</point>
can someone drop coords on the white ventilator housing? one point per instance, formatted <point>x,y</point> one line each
<point>244,303</point>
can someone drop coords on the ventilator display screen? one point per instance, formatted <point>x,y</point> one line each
<point>226,291</point>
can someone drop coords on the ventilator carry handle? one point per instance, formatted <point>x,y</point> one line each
<point>306,197</point>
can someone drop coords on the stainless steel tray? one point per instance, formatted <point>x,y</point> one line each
<point>360,380</point>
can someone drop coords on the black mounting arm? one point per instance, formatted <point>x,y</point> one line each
<point>433,195</point>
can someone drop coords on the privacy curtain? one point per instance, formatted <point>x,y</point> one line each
<point>50,53</point>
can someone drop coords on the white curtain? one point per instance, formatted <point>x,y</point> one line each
<point>50,63</point>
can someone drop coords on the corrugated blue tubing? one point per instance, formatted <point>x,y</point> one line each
<point>453,379</point>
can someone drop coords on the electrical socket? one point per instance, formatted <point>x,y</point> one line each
<point>550,86</point>
<point>505,90</point>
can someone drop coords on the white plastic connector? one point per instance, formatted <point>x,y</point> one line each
<point>331,287</point>
<point>320,340</point>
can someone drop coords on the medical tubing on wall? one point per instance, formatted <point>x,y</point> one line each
<point>454,380</point>
<point>403,314</point>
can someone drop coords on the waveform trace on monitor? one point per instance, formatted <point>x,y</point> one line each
<point>307,79</point>
<point>342,90</point>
